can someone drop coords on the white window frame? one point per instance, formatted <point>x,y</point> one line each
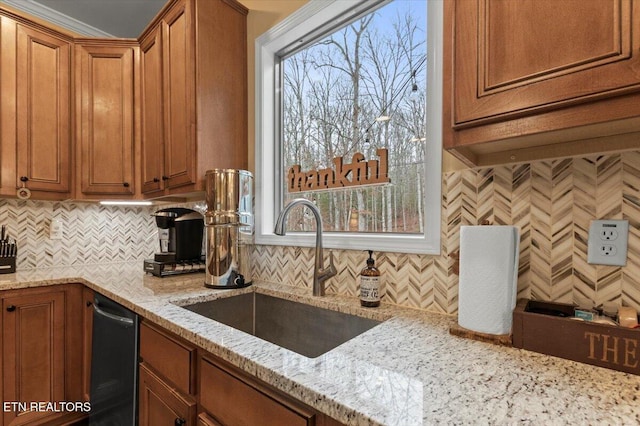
<point>292,30</point>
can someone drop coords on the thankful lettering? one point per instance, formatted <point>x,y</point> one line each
<point>358,172</point>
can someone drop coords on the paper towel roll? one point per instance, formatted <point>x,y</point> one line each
<point>488,278</point>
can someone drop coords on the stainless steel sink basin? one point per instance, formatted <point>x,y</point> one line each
<point>307,330</point>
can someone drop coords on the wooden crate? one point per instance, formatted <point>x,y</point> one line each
<point>608,346</point>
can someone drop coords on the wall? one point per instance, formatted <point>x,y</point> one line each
<point>263,15</point>
<point>552,203</point>
<point>92,233</point>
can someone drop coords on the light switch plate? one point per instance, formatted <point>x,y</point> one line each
<point>608,242</point>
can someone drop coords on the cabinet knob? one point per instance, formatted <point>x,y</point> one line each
<point>156,180</point>
<point>89,303</point>
<point>23,179</point>
<point>125,184</point>
<point>165,177</point>
<point>179,422</point>
<point>11,308</point>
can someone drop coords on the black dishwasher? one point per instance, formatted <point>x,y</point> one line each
<point>114,364</point>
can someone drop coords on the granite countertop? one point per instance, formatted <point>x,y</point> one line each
<point>406,371</point>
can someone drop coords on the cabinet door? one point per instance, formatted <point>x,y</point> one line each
<point>33,358</point>
<point>179,98</point>
<point>43,110</point>
<point>106,77</point>
<point>515,58</point>
<point>152,113</point>
<point>161,405</point>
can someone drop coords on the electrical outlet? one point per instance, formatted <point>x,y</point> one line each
<point>608,234</point>
<point>55,230</point>
<point>608,250</point>
<point>608,242</point>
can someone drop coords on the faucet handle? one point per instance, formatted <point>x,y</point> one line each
<point>331,269</point>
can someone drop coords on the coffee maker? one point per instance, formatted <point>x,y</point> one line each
<point>180,236</point>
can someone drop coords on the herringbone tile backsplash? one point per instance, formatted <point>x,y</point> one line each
<point>91,233</point>
<point>552,202</point>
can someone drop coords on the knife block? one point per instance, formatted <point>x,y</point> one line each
<point>7,265</point>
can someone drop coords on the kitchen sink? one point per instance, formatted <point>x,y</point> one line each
<point>308,330</point>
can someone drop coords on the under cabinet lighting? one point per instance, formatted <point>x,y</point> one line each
<point>125,203</point>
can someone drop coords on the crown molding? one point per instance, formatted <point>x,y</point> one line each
<point>41,11</point>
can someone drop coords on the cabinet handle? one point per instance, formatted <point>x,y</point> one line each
<point>179,422</point>
<point>89,303</point>
<point>125,184</point>
<point>11,308</point>
<point>165,177</point>
<point>156,180</point>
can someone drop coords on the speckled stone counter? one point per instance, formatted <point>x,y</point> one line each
<point>406,371</point>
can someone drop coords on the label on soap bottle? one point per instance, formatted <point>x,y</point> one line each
<point>369,289</point>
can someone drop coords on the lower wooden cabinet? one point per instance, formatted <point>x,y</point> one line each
<point>33,351</point>
<point>171,393</point>
<point>167,374</point>
<point>160,404</point>
<point>222,389</point>
<point>41,335</point>
<point>170,356</point>
<point>45,357</point>
<point>231,397</point>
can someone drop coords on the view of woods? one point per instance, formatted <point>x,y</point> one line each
<point>357,90</point>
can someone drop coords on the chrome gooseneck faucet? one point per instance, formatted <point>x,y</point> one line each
<point>320,274</point>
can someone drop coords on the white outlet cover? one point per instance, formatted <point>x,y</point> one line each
<point>607,243</point>
<point>55,230</point>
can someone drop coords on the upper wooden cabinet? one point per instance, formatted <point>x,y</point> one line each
<point>194,69</point>
<point>106,122</point>
<point>523,78</point>
<point>35,115</point>
<point>150,116</point>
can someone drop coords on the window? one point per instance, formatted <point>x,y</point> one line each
<point>354,84</point>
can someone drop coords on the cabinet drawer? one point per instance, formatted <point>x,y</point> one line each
<point>237,400</point>
<point>168,356</point>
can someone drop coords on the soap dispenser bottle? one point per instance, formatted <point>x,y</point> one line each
<point>370,284</point>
